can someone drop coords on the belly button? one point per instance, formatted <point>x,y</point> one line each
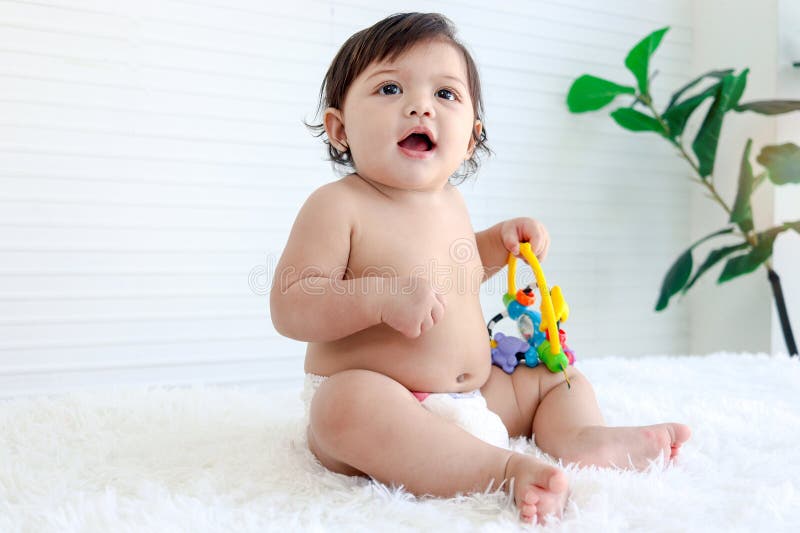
<point>462,377</point>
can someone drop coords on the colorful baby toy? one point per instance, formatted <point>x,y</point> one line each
<point>543,340</point>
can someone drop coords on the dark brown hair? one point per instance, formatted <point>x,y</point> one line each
<point>389,38</point>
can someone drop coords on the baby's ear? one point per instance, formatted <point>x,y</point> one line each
<point>476,134</point>
<point>334,126</point>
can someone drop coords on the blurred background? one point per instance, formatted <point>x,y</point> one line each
<point>153,157</point>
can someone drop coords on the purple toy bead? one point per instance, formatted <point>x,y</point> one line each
<point>505,353</point>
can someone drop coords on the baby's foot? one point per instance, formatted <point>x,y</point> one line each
<point>539,489</point>
<point>626,447</point>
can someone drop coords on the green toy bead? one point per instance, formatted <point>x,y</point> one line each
<point>508,298</point>
<point>554,362</point>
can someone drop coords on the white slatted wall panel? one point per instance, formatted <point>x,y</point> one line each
<point>152,159</point>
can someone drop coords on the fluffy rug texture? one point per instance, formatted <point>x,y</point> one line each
<point>222,459</point>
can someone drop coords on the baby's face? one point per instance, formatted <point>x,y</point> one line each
<point>424,89</point>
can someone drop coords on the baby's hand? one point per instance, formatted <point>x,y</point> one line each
<point>413,308</point>
<point>517,230</point>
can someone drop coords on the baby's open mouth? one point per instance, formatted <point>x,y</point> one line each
<point>418,142</point>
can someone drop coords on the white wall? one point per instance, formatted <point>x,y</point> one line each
<point>152,159</point>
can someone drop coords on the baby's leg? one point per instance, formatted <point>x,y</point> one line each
<point>365,422</point>
<point>567,422</point>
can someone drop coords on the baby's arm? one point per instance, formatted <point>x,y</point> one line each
<point>490,248</point>
<point>310,300</point>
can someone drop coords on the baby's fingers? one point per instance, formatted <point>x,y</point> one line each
<point>510,240</point>
<point>427,324</point>
<point>541,250</point>
<point>437,311</point>
<point>412,331</point>
<point>442,300</point>
<point>537,235</point>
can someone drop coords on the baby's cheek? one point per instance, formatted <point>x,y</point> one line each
<point>371,142</point>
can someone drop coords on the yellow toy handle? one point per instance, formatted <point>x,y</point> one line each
<point>551,313</point>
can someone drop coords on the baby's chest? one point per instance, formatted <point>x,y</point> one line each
<point>426,244</point>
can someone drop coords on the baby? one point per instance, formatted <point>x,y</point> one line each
<point>399,374</point>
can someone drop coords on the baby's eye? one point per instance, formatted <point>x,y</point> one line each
<point>447,94</point>
<point>390,88</point>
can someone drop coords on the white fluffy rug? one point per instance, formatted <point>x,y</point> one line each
<point>216,459</point>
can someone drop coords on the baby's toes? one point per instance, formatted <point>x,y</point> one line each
<point>678,434</point>
<point>552,506</point>
<point>539,489</point>
<point>674,449</point>
<point>528,513</point>
<point>527,505</point>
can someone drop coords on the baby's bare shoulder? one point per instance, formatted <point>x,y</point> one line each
<point>333,201</point>
<point>320,235</point>
<point>340,194</point>
<point>335,191</point>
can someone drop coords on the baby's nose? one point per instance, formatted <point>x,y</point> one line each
<point>419,107</point>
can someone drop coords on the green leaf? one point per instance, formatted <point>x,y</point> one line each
<point>633,120</point>
<point>638,60</point>
<point>742,214</point>
<point>793,225</point>
<point>677,116</point>
<point>746,263</point>
<point>737,90</point>
<point>705,143</point>
<point>676,278</point>
<point>589,93</point>
<point>718,74</point>
<point>713,258</point>
<point>679,272</point>
<point>782,162</point>
<point>770,107</point>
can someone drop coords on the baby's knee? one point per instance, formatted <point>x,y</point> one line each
<point>550,380</point>
<point>341,401</point>
<point>533,384</point>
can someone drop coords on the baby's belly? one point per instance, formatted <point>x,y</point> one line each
<point>453,356</point>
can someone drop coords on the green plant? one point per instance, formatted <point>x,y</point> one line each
<point>781,163</point>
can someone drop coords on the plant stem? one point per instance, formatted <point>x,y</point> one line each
<point>750,237</point>
<point>783,315</point>
<point>706,182</point>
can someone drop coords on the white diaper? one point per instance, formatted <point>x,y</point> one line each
<point>468,410</point>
